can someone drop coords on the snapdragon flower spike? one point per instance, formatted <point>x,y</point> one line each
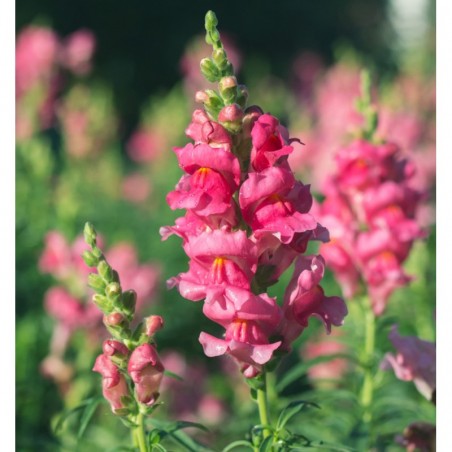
<point>129,359</point>
<point>247,220</point>
<point>370,209</point>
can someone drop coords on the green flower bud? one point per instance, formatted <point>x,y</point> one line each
<point>211,20</point>
<point>96,282</point>
<point>228,89</point>
<point>89,234</point>
<point>105,270</point>
<point>220,59</point>
<point>90,259</point>
<point>209,70</point>
<point>113,290</point>
<point>102,302</point>
<point>129,299</point>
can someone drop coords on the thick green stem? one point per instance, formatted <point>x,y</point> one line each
<point>369,350</point>
<point>263,406</point>
<point>139,434</point>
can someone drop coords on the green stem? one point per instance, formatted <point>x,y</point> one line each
<point>369,350</point>
<point>139,434</point>
<point>263,405</point>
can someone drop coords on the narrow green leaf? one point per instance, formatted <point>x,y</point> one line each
<point>291,410</point>
<point>238,444</point>
<point>87,415</point>
<point>169,374</point>
<point>301,369</point>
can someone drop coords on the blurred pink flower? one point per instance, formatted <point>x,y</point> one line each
<point>78,50</point>
<point>145,145</point>
<point>136,188</point>
<point>415,361</point>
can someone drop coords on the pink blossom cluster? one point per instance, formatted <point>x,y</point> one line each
<point>40,57</point>
<point>406,116</point>
<point>248,219</point>
<point>369,209</point>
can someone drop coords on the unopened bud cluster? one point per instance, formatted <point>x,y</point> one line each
<point>129,358</point>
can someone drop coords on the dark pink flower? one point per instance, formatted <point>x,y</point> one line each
<point>114,385</point>
<point>213,176</point>
<point>146,371</point>
<point>415,360</point>
<point>273,202</point>
<point>270,141</point>
<point>218,258</point>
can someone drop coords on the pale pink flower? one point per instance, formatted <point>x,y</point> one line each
<point>415,361</point>
<point>136,188</point>
<point>146,371</point>
<point>145,145</point>
<point>114,384</point>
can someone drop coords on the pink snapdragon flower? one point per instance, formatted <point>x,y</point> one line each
<point>145,145</point>
<point>270,142</point>
<point>146,371</point>
<point>415,361</point>
<point>114,384</point>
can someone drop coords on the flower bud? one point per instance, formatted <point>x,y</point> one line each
<point>209,70</point>
<point>231,117</point>
<point>113,290</point>
<point>129,299</point>
<point>211,20</point>
<point>89,234</point>
<point>154,323</point>
<point>113,319</point>
<point>252,113</point>
<point>89,259</point>
<point>105,270</point>
<point>111,347</point>
<point>96,282</point>
<point>201,97</point>
<point>220,59</point>
<point>242,96</point>
<point>228,88</point>
<point>102,302</point>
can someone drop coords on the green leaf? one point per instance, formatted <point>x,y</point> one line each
<point>301,369</point>
<point>266,445</point>
<point>88,414</point>
<point>291,410</point>
<point>237,444</point>
<point>169,374</point>
<point>157,447</point>
<point>186,424</point>
<point>67,413</point>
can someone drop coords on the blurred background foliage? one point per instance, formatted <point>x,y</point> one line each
<point>138,83</point>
